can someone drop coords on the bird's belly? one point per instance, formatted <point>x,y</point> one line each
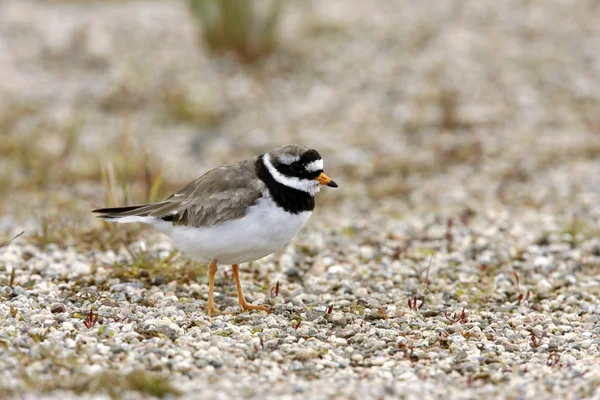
<point>263,230</point>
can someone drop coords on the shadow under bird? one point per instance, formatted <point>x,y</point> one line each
<point>237,213</point>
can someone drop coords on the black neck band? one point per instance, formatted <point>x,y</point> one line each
<point>290,199</point>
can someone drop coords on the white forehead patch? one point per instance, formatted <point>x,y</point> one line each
<point>288,159</point>
<point>306,185</point>
<point>313,166</point>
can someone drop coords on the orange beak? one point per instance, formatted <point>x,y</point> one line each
<point>325,180</point>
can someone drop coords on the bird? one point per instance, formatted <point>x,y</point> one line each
<point>236,213</point>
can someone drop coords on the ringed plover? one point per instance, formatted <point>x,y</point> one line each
<point>236,213</point>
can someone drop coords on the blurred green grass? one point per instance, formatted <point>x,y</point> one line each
<point>247,28</point>
<point>47,174</point>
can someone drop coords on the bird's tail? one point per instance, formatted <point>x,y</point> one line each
<point>146,213</point>
<point>128,214</point>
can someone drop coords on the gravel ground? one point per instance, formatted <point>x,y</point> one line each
<point>460,257</point>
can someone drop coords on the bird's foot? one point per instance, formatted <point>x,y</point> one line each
<point>211,310</point>
<point>249,307</point>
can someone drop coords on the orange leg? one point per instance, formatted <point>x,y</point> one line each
<point>243,305</point>
<point>210,306</point>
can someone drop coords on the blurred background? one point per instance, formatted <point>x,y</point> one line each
<point>417,106</point>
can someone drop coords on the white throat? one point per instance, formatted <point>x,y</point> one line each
<point>306,185</point>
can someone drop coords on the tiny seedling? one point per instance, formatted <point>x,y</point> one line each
<point>12,277</point>
<point>262,345</point>
<point>90,319</point>
<point>275,290</point>
<point>521,296</point>
<point>553,359</point>
<point>413,304</point>
<point>535,342</point>
<point>462,317</point>
<point>423,273</point>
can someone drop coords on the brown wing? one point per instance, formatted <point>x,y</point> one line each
<point>221,194</point>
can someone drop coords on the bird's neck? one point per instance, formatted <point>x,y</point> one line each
<point>290,199</point>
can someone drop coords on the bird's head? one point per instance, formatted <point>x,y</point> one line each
<point>298,167</point>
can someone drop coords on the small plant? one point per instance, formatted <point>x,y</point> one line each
<point>413,304</point>
<point>90,319</point>
<point>46,234</point>
<point>357,309</point>
<point>521,296</point>
<point>275,290</point>
<point>13,311</point>
<point>11,239</point>
<point>12,277</point>
<point>39,336</point>
<point>423,273</point>
<point>91,296</point>
<point>462,317</point>
<point>330,309</point>
<point>269,348</point>
<point>154,385</point>
<point>246,27</point>
<point>553,359</point>
<point>535,342</point>
<point>152,184</point>
<point>297,325</point>
<point>152,270</point>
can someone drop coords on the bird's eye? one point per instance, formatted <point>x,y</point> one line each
<point>297,167</point>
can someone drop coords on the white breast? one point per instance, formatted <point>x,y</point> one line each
<point>263,230</point>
